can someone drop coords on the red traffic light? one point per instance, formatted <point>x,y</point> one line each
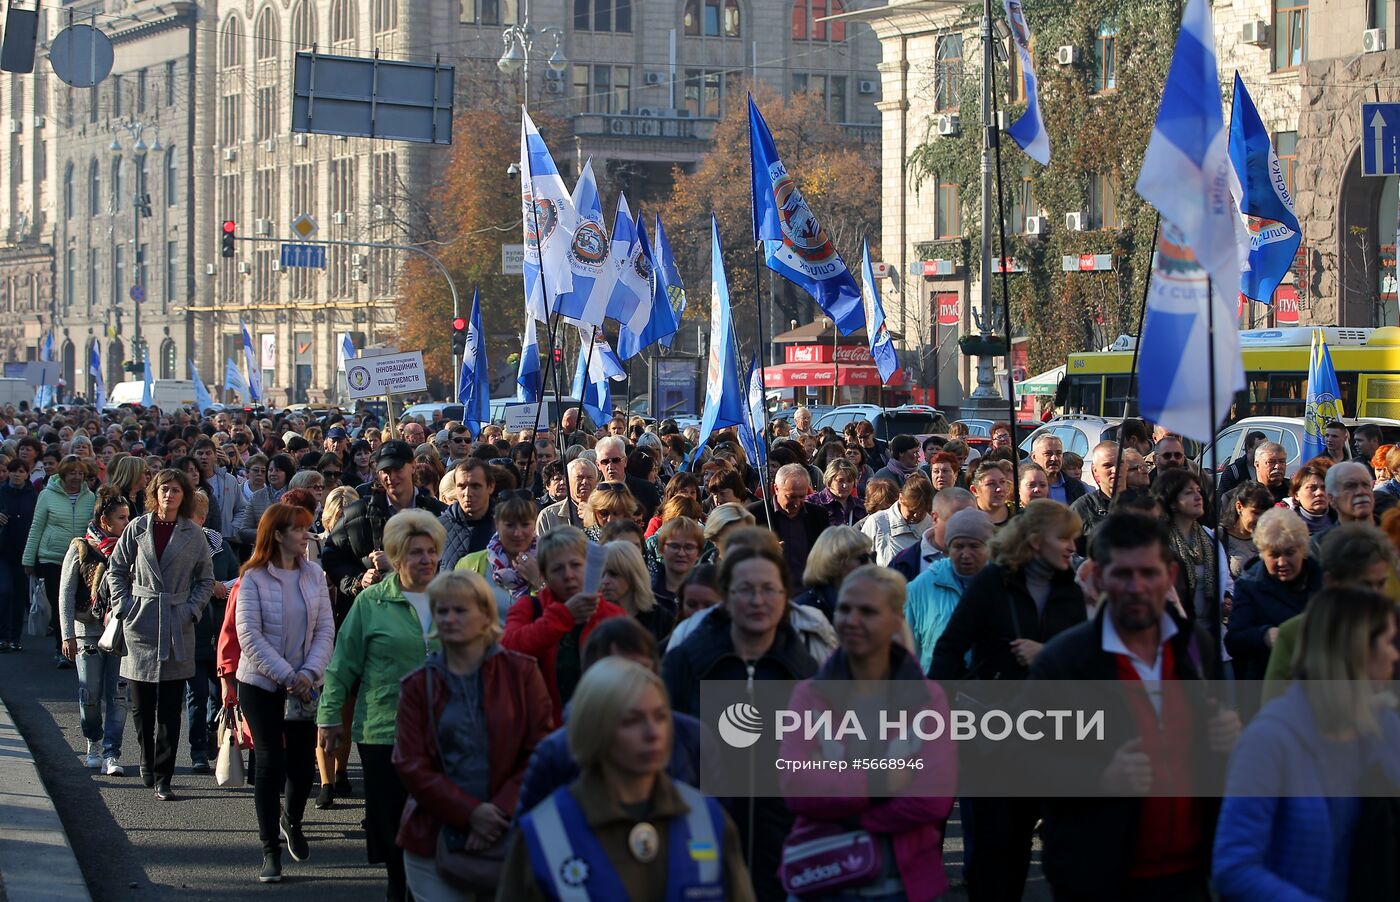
<point>230,226</point>
<point>460,323</point>
<point>558,355</point>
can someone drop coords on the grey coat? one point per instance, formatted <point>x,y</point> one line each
<point>159,601</point>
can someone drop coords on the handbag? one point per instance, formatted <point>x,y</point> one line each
<point>113,638</point>
<point>823,858</point>
<point>471,871</point>
<point>39,609</point>
<point>228,770</point>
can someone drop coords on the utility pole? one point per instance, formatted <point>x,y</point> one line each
<point>140,209</point>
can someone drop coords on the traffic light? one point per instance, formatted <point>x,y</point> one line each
<point>459,336</point>
<point>558,355</point>
<point>226,250</point>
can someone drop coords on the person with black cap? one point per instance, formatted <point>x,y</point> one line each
<point>354,554</point>
<point>337,441</point>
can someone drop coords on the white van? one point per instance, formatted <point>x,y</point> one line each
<point>167,394</point>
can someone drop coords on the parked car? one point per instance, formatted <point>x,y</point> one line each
<point>1078,432</point>
<point>1286,431</point>
<point>907,419</point>
<point>426,411</point>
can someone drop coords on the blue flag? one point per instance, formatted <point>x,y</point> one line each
<point>1186,175</point>
<point>44,394</point>
<point>547,215</point>
<point>587,301</point>
<point>233,379</point>
<point>638,332</point>
<point>597,366</point>
<point>796,246</point>
<point>347,349</point>
<point>1261,193</point>
<point>528,376</point>
<point>99,385</point>
<point>148,377</point>
<point>881,345</point>
<point>1028,131</point>
<point>475,383</point>
<point>250,360</point>
<point>668,279</point>
<point>756,423</point>
<point>631,267</point>
<point>1324,398</point>
<point>201,393</point>
<point>724,401</point>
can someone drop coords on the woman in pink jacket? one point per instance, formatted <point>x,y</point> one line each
<point>872,831</point>
<point>286,631</point>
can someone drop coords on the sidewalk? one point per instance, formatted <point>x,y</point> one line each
<point>36,860</point>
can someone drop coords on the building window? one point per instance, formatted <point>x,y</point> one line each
<point>266,113</point>
<point>1103,201</point>
<point>170,83</point>
<point>386,16</point>
<point>807,27</point>
<point>94,275</point>
<point>231,44</point>
<point>608,92</point>
<point>947,73</point>
<point>303,201</point>
<point>118,274</point>
<point>116,182</point>
<point>603,15</point>
<point>343,15</point>
<point>947,211</point>
<point>92,105</point>
<point>1022,202</point>
<point>265,35</point>
<point>830,88</point>
<point>172,272</point>
<point>304,25</point>
<point>1106,57</point>
<point>1290,33</point>
<point>492,12</point>
<point>703,94</point>
<point>70,275</point>
<point>1286,148</point>
<point>68,191</point>
<point>94,190</point>
<point>712,18</point>
<point>141,91</point>
<point>230,120</point>
<point>116,96</point>
<point>172,177</point>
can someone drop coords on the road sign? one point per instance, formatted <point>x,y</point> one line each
<point>1380,139</point>
<point>512,259</point>
<point>390,374</point>
<point>369,97</point>
<point>303,256</point>
<point>304,227</point>
<point>137,293</point>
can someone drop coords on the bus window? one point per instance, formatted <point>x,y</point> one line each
<point>1119,399</point>
<point>1085,396</point>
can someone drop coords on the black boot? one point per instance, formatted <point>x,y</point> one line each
<point>272,868</point>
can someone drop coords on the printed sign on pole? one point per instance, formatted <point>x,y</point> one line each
<point>389,374</point>
<point>521,416</point>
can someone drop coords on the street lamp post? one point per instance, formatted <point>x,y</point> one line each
<point>140,209</point>
<point>520,42</point>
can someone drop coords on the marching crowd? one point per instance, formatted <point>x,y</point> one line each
<point>509,634</point>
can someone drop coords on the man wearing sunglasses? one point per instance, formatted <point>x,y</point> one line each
<point>583,479</point>
<point>612,461</point>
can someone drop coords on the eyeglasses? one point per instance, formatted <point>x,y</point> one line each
<point>611,487</point>
<point>459,440</point>
<point>331,474</point>
<point>611,460</point>
<point>687,548</point>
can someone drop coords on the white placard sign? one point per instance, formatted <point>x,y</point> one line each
<point>521,416</point>
<point>389,374</point>
<point>43,372</point>
<point>512,259</point>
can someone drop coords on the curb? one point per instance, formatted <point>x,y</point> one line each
<point>36,860</point>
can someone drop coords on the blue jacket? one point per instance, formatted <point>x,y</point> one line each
<point>552,765</point>
<point>932,597</point>
<point>18,505</point>
<point>1262,602</point>
<point>1278,826</point>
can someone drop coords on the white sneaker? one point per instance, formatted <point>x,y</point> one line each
<point>111,768</point>
<point>94,755</point>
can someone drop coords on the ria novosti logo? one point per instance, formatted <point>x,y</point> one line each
<point>740,725</point>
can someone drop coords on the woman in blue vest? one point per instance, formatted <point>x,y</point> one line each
<point>624,830</point>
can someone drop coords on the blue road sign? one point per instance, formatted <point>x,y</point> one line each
<point>137,293</point>
<point>303,256</point>
<point>1380,139</point>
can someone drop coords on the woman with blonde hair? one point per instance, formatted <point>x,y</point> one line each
<point>609,500</point>
<point>337,500</point>
<point>1275,588</point>
<point>837,551</point>
<point>720,521</point>
<point>626,583</point>
<point>839,498</point>
<point>129,476</point>
<point>468,721</point>
<point>880,494</point>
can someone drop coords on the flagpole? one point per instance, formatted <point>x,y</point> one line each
<point>1219,600</point>
<point>762,381</point>
<point>994,138</point>
<point>553,333</point>
<point>1133,369</point>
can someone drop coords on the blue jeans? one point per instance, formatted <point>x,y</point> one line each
<point>197,711</point>
<point>102,697</point>
<point>14,601</point>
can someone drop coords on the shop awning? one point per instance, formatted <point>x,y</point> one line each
<point>793,375</point>
<point>1044,384</point>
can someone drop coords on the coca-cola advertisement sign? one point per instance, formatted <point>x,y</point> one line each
<point>822,353</point>
<point>946,304</point>
<point>858,354</point>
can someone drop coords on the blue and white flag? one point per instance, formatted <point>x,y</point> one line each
<point>148,379</point>
<point>1029,130</point>
<point>202,400</point>
<point>527,378</point>
<point>474,386</point>
<point>756,423</point>
<point>796,246</point>
<point>547,214</point>
<point>587,301</point>
<point>668,278</point>
<point>631,263</point>
<point>881,345</point>
<point>1324,398</point>
<point>233,379</point>
<point>724,401</point>
<point>44,394</point>
<point>347,349</point>
<point>252,364</point>
<point>99,384</point>
<point>1261,193</point>
<point>597,365</point>
<point>1186,176</point>
<point>638,332</point>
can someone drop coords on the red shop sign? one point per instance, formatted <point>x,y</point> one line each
<point>1286,305</point>
<point>947,304</point>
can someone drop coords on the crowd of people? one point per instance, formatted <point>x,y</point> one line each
<point>509,634</point>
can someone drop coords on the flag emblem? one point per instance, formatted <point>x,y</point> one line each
<point>642,266</point>
<point>801,230</point>
<point>540,222</point>
<point>590,245</point>
<point>358,377</point>
<point>1264,231</point>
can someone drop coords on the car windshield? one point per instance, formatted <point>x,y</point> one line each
<point>911,423</point>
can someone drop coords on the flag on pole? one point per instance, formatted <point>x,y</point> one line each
<point>148,386</point>
<point>547,212</point>
<point>99,385</point>
<point>347,349</point>
<point>668,279</point>
<point>587,301</point>
<point>202,400</point>
<point>631,263</point>
<point>233,378</point>
<point>528,377</point>
<point>1028,131</point>
<point>724,402</point>
<point>1324,398</point>
<point>250,360</point>
<point>597,365</point>
<point>756,423</point>
<point>1186,176</point>
<point>1261,193</point>
<point>43,395</point>
<point>638,332</point>
<point>881,345</point>
<point>475,391</point>
<point>796,246</point>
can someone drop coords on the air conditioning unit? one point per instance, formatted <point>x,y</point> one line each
<point>38,121</point>
<point>276,265</point>
<point>262,227</point>
<point>551,75</point>
<point>646,111</point>
<point>243,267</point>
<point>1035,225</point>
<point>1067,55</point>
<point>269,145</point>
<point>359,275</point>
<point>338,217</point>
<point>210,269</point>
<point>299,140</point>
<point>342,138</point>
<point>656,78</point>
<point>1075,222</point>
<point>230,154</point>
<point>16,126</point>
<point>1373,40</point>
<point>357,259</point>
<point>949,125</point>
<point>554,87</point>
<point>1256,33</point>
<point>868,86</point>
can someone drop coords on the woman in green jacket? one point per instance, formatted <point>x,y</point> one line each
<point>386,635</point>
<point>60,516</point>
